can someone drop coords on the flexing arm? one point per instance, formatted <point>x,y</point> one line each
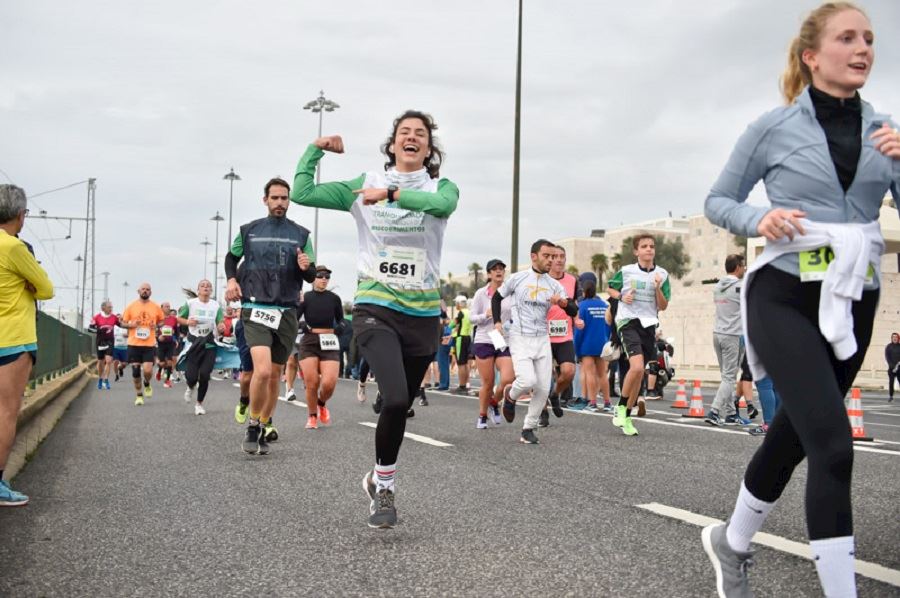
<point>331,196</point>
<point>440,204</point>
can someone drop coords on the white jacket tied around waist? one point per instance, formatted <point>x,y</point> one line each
<point>855,247</point>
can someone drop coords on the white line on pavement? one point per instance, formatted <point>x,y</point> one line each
<point>295,403</point>
<point>864,568</point>
<point>416,437</point>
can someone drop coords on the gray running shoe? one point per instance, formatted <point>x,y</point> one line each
<point>382,513</point>
<point>731,566</point>
<point>528,437</point>
<point>251,440</point>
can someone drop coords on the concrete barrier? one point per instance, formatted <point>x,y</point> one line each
<point>40,412</point>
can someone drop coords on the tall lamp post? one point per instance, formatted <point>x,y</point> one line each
<point>217,219</point>
<point>105,276</point>
<point>319,105</point>
<point>514,258</point>
<point>231,177</point>
<point>206,243</point>
<point>124,294</point>
<point>79,324</point>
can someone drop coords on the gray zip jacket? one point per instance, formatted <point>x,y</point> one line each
<point>787,149</point>
<point>727,296</point>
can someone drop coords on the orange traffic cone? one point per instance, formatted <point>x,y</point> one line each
<point>855,414</point>
<point>680,397</point>
<point>696,409</point>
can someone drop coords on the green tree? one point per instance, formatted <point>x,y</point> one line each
<point>600,265</point>
<point>617,260</point>
<point>572,269</point>
<point>474,270</point>
<point>669,254</point>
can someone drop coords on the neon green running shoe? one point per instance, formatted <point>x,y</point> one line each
<point>139,400</point>
<point>148,392</point>
<point>270,432</point>
<point>628,428</point>
<point>619,417</point>
<point>240,413</point>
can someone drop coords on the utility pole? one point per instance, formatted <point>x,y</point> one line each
<point>231,177</point>
<point>319,105</point>
<point>124,295</point>
<point>217,219</point>
<point>206,243</point>
<point>514,259</point>
<point>89,243</point>
<point>105,276</point>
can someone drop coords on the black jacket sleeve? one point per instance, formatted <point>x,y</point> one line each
<point>231,264</point>
<point>496,305</point>
<point>571,308</point>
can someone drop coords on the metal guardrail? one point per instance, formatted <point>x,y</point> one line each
<point>59,348</point>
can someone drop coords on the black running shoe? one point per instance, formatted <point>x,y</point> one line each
<point>251,440</point>
<point>410,413</point>
<point>528,437</point>
<point>423,400</point>
<point>752,411</point>
<point>544,420</point>
<point>557,408</point>
<point>379,401</point>
<point>263,445</point>
<point>509,406</point>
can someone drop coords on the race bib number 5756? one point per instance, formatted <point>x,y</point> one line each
<point>270,318</point>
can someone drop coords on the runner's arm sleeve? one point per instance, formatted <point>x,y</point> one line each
<point>309,275</point>
<point>726,203</point>
<point>339,321</point>
<point>233,257</point>
<point>183,312</point>
<point>571,308</point>
<point>440,204</point>
<point>28,268</point>
<point>331,196</point>
<point>496,306</point>
<point>476,312</point>
<point>220,316</point>
<point>614,286</point>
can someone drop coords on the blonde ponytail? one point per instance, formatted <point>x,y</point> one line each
<point>796,74</point>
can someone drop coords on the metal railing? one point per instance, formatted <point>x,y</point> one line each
<point>59,348</point>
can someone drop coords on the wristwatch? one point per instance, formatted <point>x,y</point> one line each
<point>391,190</point>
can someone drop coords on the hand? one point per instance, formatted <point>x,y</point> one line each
<point>658,280</point>
<point>302,260</point>
<point>192,321</point>
<point>371,196</point>
<point>628,296</point>
<point>887,141</point>
<point>555,299</point>
<point>331,143</point>
<point>489,314</point>
<point>780,222</point>
<point>499,327</point>
<point>579,323</point>
<point>233,290</point>
<point>30,288</point>
<point>221,328</point>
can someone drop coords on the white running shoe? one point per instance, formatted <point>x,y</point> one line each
<point>188,394</point>
<point>199,410</point>
<point>361,393</point>
<point>290,396</point>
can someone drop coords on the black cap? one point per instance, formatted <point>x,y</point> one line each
<point>321,268</point>
<point>493,264</point>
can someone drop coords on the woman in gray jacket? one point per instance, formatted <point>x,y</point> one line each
<point>827,160</point>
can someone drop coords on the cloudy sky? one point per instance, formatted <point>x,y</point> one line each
<point>629,111</point>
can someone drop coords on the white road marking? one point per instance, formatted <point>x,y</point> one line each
<point>864,568</point>
<point>870,423</point>
<point>295,403</point>
<point>416,437</point>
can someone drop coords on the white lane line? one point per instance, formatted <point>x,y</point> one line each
<point>416,437</point>
<point>868,449</point>
<point>295,403</point>
<point>871,423</point>
<point>864,568</point>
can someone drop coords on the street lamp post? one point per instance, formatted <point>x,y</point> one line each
<point>206,243</point>
<point>217,219</point>
<point>124,294</point>
<point>231,177</point>
<point>514,257</point>
<point>105,276</point>
<point>78,308</point>
<point>319,105</point>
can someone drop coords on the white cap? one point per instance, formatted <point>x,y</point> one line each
<point>460,299</point>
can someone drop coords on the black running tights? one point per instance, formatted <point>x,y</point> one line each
<point>398,378</point>
<point>783,316</point>
<point>197,368</point>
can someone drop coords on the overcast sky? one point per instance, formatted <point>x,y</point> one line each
<point>630,110</point>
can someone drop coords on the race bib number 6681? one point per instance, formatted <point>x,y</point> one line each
<point>400,266</point>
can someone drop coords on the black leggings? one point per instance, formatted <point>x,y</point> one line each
<point>783,325</point>
<point>398,377</point>
<point>364,371</point>
<point>198,367</point>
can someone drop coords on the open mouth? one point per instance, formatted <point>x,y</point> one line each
<point>859,66</point>
<point>410,149</point>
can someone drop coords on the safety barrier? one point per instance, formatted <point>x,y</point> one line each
<point>59,347</point>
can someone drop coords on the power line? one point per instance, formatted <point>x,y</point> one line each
<point>8,178</point>
<point>58,189</point>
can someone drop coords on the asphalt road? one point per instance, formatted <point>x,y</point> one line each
<point>155,501</point>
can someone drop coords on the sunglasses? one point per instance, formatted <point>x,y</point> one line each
<point>324,275</point>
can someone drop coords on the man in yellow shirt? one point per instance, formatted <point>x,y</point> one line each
<point>141,318</point>
<point>22,280</point>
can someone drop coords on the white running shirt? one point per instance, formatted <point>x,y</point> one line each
<point>531,294</point>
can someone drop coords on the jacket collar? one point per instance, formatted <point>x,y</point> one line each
<point>869,116</point>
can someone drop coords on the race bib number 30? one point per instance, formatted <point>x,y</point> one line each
<point>559,327</point>
<point>270,318</point>
<point>814,265</point>
<point>400,266</point>
<point>329,342</point>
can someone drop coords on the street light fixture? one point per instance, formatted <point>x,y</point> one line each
<point>319,105</point>
<point>217,219</point>
<point>206,243</point>
<point>231,177</point>
<point>124,294</point>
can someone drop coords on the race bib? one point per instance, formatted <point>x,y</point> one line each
<point>400,267</point>
<point>142,333</point>
<point>103,347</point>
<point>166,331</point>
<point>329,342</point>
<point>204,328</point>
<point>559,327</point>
<point>814,265</point>
<point>269,318</point>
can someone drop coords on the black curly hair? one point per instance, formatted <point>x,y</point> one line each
<point>435,156</point>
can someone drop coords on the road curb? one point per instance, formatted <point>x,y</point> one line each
<point>41,411</point>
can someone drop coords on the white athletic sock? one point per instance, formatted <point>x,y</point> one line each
<point>748,517</point>
<point>834,558</point>
<point>384,476</point>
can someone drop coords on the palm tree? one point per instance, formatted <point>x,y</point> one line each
<point>600,265</point>
<point>474,270</point>
<point>617,262</point>
<point>572,269</point>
